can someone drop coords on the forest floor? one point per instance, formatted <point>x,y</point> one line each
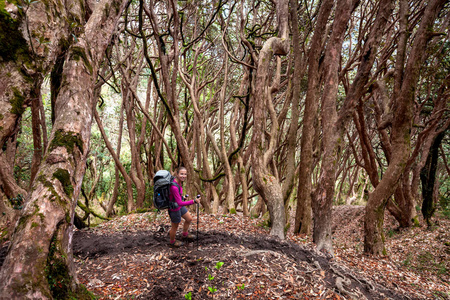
<point>235,258</point>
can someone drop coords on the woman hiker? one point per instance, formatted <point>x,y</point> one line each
<point>175,195</point>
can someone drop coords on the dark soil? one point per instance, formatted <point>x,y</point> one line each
<point>3,252</point>
<point>186,265</point>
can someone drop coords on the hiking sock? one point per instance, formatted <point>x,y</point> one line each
<point>185,234</point>
<point>172,242</point>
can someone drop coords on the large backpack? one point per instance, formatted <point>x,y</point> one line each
<point>162,182</point>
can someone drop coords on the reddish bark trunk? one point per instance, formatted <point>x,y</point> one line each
<point>291,166</point>
<point>401,128</point>
<point>303,215</point>
<point>324,193</point>
<point>36,127</point>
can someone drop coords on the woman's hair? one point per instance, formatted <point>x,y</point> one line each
<point>180,169</point>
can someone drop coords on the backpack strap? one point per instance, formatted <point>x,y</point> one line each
<point>173,182</point>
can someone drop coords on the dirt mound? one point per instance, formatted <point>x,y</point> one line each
<point>251,264</point>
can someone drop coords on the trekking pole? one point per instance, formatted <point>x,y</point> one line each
<point>198,214</point>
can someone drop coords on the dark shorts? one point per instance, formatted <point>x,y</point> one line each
<point>175,216</point>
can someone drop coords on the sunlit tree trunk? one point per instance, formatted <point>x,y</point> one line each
<point>229,194</point>
<point>115,195</point>
<point>130,202</point>
<point>136,173</point>
<point>23,63</point>
<point>41,246</point>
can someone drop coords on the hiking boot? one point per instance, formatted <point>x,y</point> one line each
<point>190,236</point>
<point>177,244</point>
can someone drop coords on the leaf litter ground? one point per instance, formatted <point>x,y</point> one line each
<point>128,258</point>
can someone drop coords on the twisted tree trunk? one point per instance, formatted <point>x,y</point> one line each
<point>39,263</point>
<point>266,184</point>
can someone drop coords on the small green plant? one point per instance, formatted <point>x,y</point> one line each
<point>212,288</point>
<point>444,204</point>
<point>439,295</point>
<point>152,217</point>
<point>219,265</point>
<point>407,261</point>
<point>241,287</point>
<point>390,233</point>
<point>17,202</point>
<point>425,261</point>
<point>442,269</point>
<point>188,296</point>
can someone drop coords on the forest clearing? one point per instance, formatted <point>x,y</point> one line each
<point>128,258</point>
<point>312,135</point>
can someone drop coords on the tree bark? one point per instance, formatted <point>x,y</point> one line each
<point>36,127</point>
<point>233,124</point>
<point>324,194</point>
<point>266,184</point>
<point>428,178</point>
<point>136,172</point>
<point>8,182</point>
<point>401,128</point>
<point>291,137</point>
<point>194,88</point>
<point>229,194</point>
<point>169,81</point>
<point>127,178</point>
<point>303,214</point>
<point>41,246</point>
<point>115,195</point>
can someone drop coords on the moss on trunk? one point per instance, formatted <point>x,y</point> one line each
<point>68,140</point>
<point>12,43</point>
<point>64,177</point>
